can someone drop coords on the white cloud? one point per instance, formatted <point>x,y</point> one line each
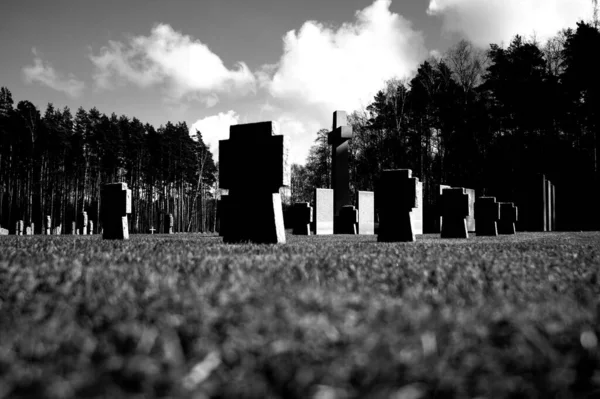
<point>326,68</point>
<point>343,68</point>
<point>498,21</point>
<point>215,128</point>
<point>43,73</point>
<point>183,65</point>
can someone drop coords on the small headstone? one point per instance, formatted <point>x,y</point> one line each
<point>397,193</point>
<point>340,172</point>
<point>28,231</point>
<point>84,217</point>
<point>348,220</point>
<point>302,217</point>
<point>508,218</point>
<point>20,227</point>
<point>32,227</point>
<point>115,205</point>
<point>366,212</point>
<point>90,227</point>
<point>416,214</point>
<point>169,223</point>
<point>455,209</point>
<point>48,225</point>
<point>254,165</point>
<point>323,216</point>
<point>77,231</point>
<point>487,214</point>
<point>3,231</point>
<point>73,228</point>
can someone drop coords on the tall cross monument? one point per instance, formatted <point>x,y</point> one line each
<point>340,176</point>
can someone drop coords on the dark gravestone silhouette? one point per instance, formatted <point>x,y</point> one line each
<point>348,220</point>
<point>487,214</point>
<point>115,205</point>
<point>48,225</point>
<point>302,218</point>
<point>508,218</point>
<point>366,212</point>
<point>437,208</point>
<point>340,175</point>
<point>397,193</point>
<point>169,221</point>
<point>254,165</point>
<point>455,209</point>
<point>323,217</point>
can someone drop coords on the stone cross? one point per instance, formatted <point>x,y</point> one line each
<point>455,209</point>
<point>114,206</point>
<point>254,165</point>
<point>487,213</point>
<point>302,217</point>
<point>340,175</point>
<point>48,225</point>
<point>152,230</point>
<point>508,218</point>
<point>397,196</point>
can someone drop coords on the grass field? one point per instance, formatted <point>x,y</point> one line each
<point>185,316</point>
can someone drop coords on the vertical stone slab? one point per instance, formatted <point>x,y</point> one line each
<point>73,228</point>
<point>48,225</point>
<point>471,218</point>
<point>340,174</point>
<point>324,211</point>
<point>416,214</point>
<point>169,223</point>
<point>115,205</point>
<point>397,196</point>
<point>455,209</point>
<point>84,218</point>
<point>366,212</point>
<point>438,207</point>
<point>90,227</point>
<point>553,208</point>
<point>254,182</point>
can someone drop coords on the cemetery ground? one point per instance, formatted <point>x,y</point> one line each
<point>321,317</point>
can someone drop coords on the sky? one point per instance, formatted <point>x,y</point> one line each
<point>214,63</point>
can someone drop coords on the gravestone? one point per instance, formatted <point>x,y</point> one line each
<point>57,230</point>
<point>536,200</point>
<point>323,216</point>
<point>73,228</point>
<point>169,223</point>
<point>48,225</point>
<point>455,209</point>
<point>366,212</point>
<point>152,230</point>
<point>84,218</point>
<point>114,206</point>
<point>508,218</point>
<point>487,214</point>
<point>340,174</point>
<point>32,229</point>
<point>348,220</point>
<point>3,231</point>
<point>416,214</point>
<point>28,231</point>
<point>302,218</point>
<point>20,227</point>
<point>90,227</point>
<point>397,195</point>
<point>471,218</point>
<point>254,165</point>
<point>437,208</point>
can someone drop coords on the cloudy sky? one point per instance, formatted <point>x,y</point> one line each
<point>213,63</point>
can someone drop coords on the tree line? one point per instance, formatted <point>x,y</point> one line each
<point>484,119</point>
<point>55,164</point>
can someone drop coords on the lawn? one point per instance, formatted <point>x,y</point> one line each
<point>185,316</point>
